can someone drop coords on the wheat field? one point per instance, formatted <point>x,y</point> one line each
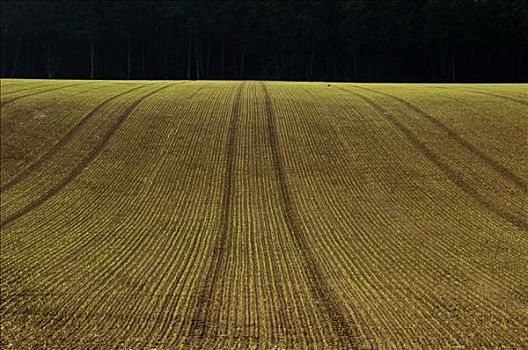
<point>269,215</point>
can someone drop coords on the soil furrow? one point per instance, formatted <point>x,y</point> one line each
<point>86,246</point>
<point>498,167</point>
<point>35,93</point>
<point>65,139</point>
<point>81,166</point>
<point>321,292</point>
<point>516,219</point>
<point>199,320</point>
<point>24,90</point>
<point>509,98</point>
<point>145,273</point>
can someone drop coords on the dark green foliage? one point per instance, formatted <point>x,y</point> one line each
<point>395,40</point>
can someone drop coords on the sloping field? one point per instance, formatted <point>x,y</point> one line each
<point>270,215</point>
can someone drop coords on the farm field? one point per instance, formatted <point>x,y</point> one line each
<point>269,215</point>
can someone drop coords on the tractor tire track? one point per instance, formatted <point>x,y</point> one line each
<point>81,166</point>
<point>2,104</point>
<point>199,320</point>
<point>65,139</point>
<point>513,99</point>
<point>321,292</point>
<point>516,219</point>
<point>87,246</point>
<point>495,165</point>
<point>24,90</point>
<point>499,96</point>
<point>86,250</point>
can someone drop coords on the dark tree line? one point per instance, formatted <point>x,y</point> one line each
<point>376,40</point>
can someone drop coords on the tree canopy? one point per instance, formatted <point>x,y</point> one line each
<point>356,40</point>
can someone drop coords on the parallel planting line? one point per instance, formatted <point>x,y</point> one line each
<point>509,98</point>
<point>500,96</point>
<point>340,257</point>
<point>321,292</point>
<point>65,139</point>
<point>501,169</point>
<point>87,246</point>
<point>81,166</point>
<point>133,226</point>
<point>73,249</point>
<point>362,248</point>
<point>343,253</point>
<point>84,252</point>
<point>450,248</point>
<point>199,320</point>
<point>179,301</point>
<point>23,90</point>
<point>512,185</point>
<point>515,219</point>
<point>405,244</point>
<point>2,104</point>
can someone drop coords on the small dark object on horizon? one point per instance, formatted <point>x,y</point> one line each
<point>328,85</point>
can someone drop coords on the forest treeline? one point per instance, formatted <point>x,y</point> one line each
<point>376,40</point>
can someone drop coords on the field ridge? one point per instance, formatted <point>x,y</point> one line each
<point>494,164</point>
<point>262,214</point>
<point>4,103</point>
<point>515,218</point>
<point>199,319</point>
<point>80,167</point>
<point>26,89</point>
<point>320,291</point>
<point>61,142</point>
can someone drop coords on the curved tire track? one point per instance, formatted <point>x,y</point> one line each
<point>65,139</point>
<point>513,99</point>
<point>23,90</point>
<point>499,96</point>
<point>74,254</point>
<point>516,219</point>
<point>81,166</point>
<point>2,104</point>
<point>498,167</point>
<point>87,248</point>
<point>319,289</point>
<point>199,320</point>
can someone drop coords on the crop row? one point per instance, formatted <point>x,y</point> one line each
<point>245,214</point>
